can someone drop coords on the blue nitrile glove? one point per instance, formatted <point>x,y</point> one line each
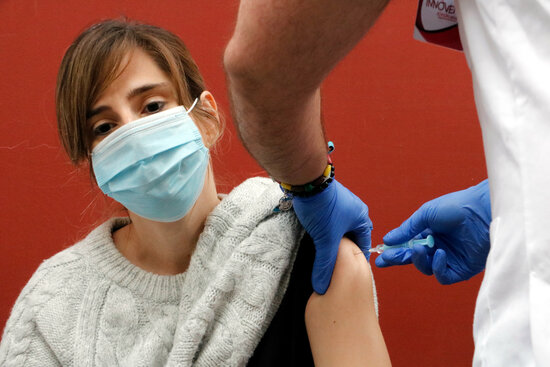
<point>459,223</point>
<point>327,216</point>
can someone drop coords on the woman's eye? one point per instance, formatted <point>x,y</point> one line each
<point>103,129</point>
<point>154,107</point>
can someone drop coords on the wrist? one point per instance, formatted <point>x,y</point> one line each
<point>315,186</point>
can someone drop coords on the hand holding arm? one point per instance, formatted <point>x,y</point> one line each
<point>275,62</point>
<point>327,216</point>
<point>459,223</point>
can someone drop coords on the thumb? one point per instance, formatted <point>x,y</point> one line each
<point>362,237</point>
<point>323,266</point>
<point>414,225</point>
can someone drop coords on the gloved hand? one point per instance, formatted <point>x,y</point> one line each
<point>327,216</point>
<point>459,223</point>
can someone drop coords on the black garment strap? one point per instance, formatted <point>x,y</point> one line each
<point>285,342</point>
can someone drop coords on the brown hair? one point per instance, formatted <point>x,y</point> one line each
<point>92,62</point>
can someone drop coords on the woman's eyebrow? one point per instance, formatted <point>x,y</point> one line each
<point>145,88</point>
<point>133,93</point>
<point>96,111</point>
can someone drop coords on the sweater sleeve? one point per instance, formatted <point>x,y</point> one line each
<point>22,343</point>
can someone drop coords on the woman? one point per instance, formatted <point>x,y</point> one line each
<point>187,278</point>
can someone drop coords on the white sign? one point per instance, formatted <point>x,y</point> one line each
<point>436,23</point>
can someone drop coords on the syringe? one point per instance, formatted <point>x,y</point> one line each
<point>428,241</point>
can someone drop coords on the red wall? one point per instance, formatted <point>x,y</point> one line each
<point>400,112</point>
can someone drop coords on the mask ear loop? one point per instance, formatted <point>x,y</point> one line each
<point>193,105</point>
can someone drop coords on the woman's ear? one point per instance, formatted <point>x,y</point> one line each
<point>212,127</point>
<point>207,101</point>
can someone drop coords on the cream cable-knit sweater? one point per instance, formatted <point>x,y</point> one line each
<point>89,306</point>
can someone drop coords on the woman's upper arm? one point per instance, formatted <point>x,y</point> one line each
<point>342,324</point>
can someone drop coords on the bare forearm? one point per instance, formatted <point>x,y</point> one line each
<point>289,144</point>
<point>276,60</point>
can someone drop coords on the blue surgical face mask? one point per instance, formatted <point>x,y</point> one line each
<point>154,166</point>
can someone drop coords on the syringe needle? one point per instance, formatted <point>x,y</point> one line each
<point>378,249</point>
<point>428,241</point>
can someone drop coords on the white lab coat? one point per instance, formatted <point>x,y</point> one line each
<point>507,45</point>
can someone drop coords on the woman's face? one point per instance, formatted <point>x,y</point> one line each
<point>141,89</point>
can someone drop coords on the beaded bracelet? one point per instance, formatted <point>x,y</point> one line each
<point>315,186</point>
